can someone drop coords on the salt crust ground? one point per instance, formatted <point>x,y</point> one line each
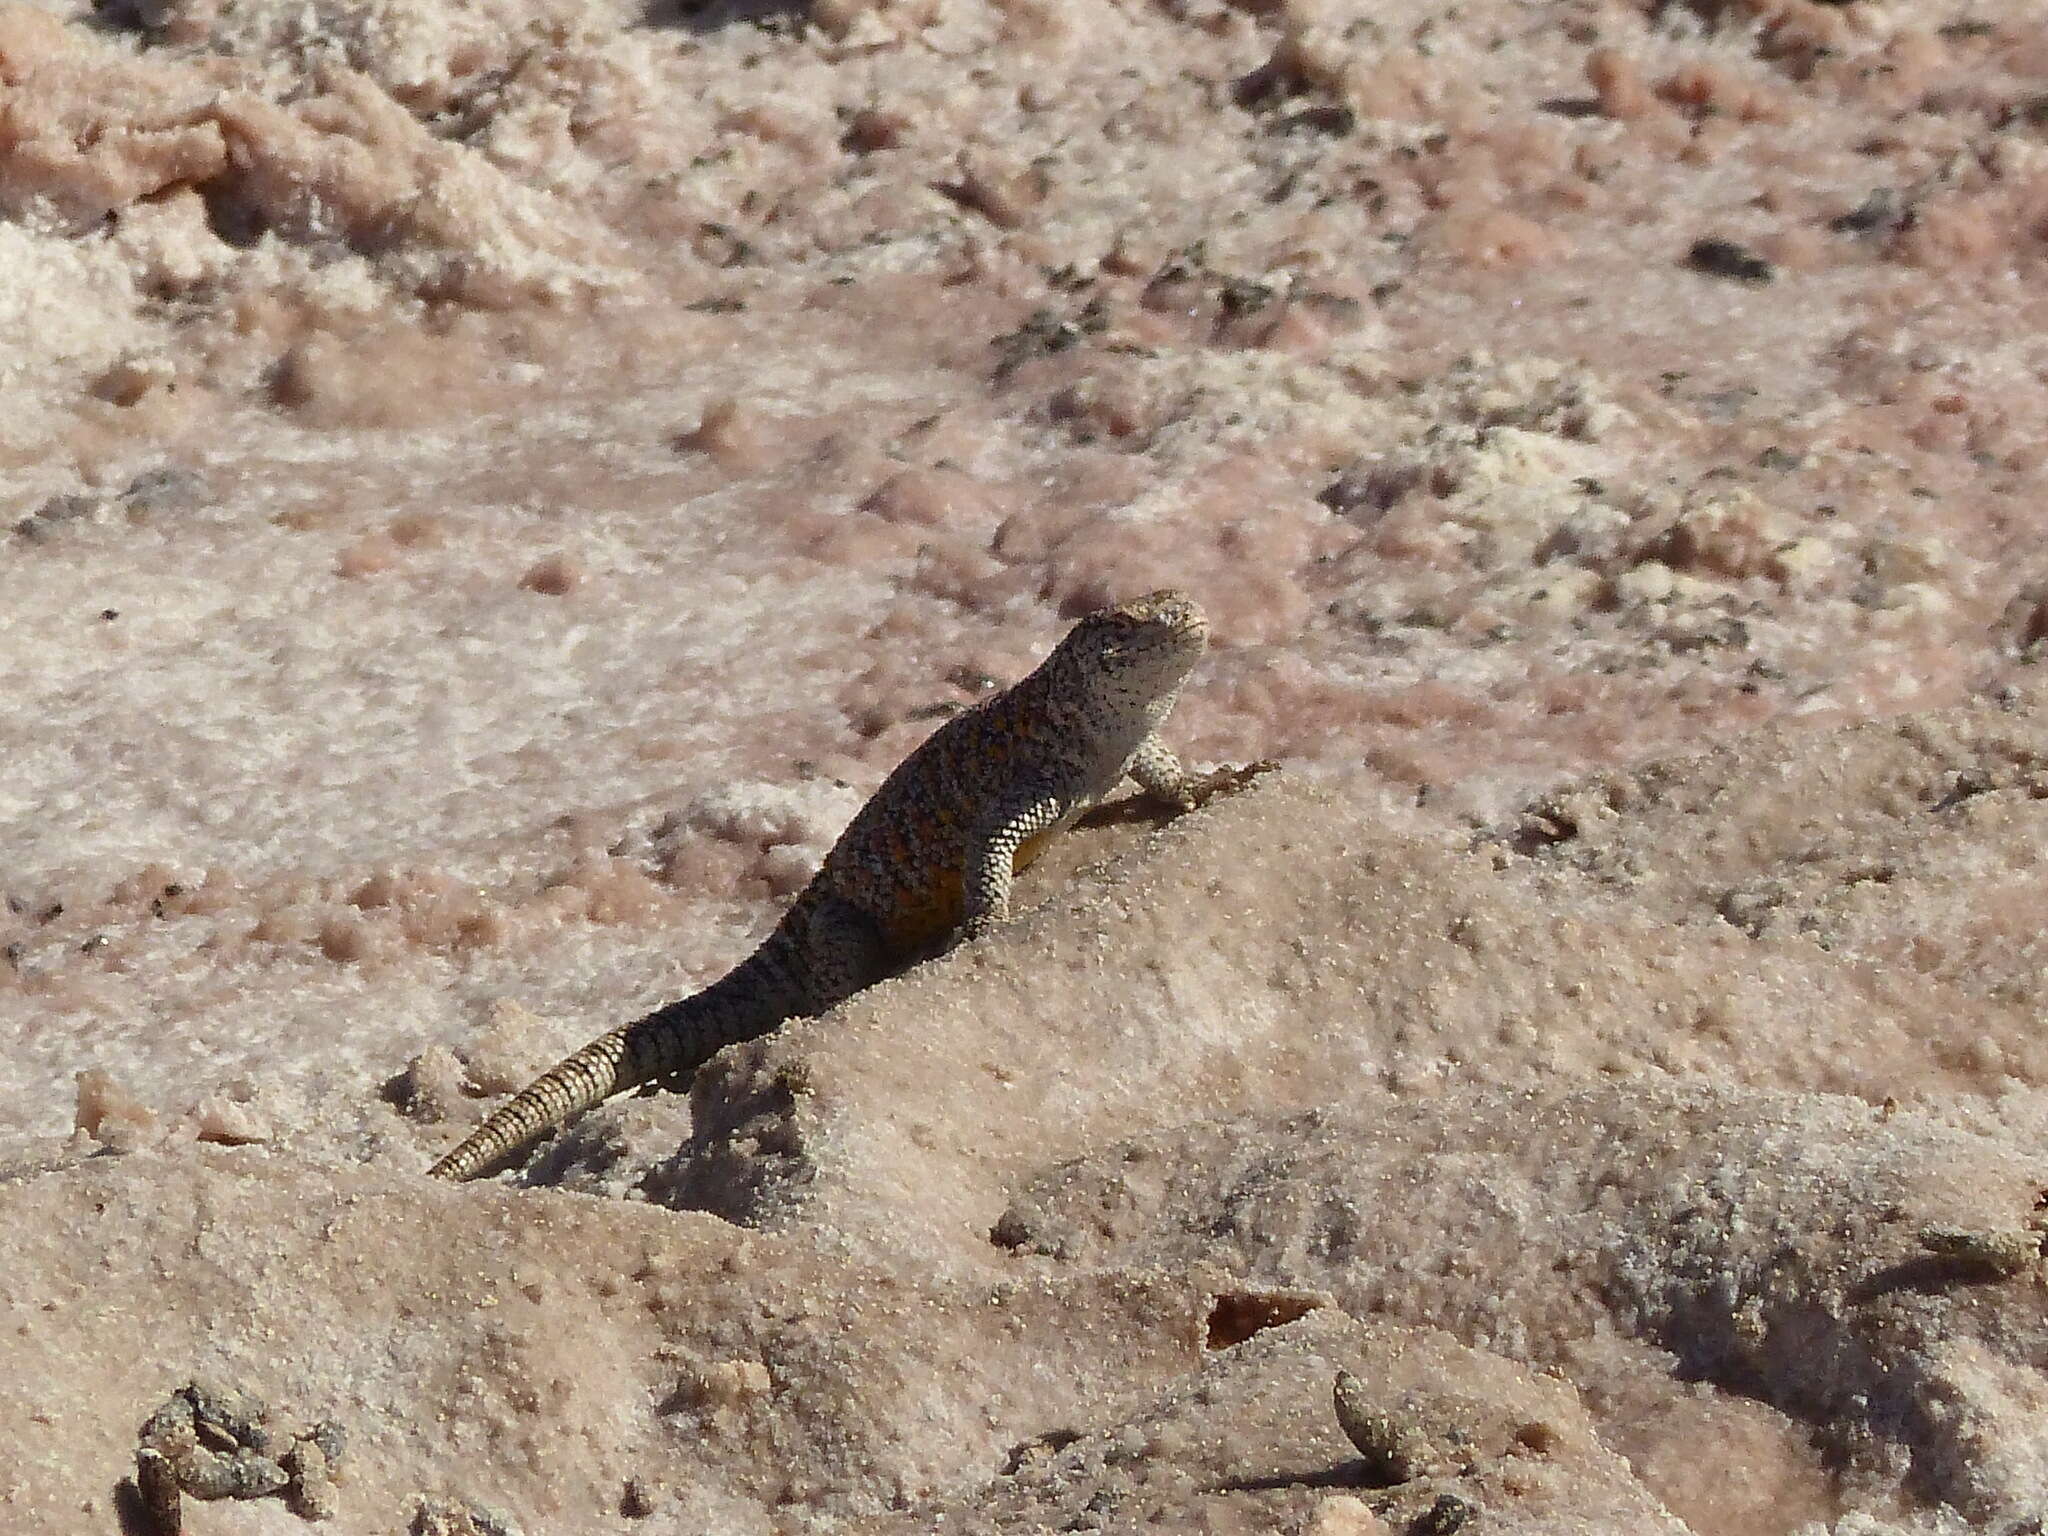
<point>1070,1220</point>
<point>492,486</point>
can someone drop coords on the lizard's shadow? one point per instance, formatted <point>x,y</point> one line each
<point>1126,811</point>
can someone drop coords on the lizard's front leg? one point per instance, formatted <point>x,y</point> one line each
<point>991,862</point>
<point>1161,775</point>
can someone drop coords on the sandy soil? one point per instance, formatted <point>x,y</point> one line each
<point>489,488</point>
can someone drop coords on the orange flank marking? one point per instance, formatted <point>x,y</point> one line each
<point>926,916</point>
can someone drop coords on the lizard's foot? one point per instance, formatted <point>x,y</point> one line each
<point>1227,780</point>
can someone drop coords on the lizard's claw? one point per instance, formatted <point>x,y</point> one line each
<point>1227,780</point>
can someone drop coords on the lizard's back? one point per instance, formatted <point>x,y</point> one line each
<point>900,859</point>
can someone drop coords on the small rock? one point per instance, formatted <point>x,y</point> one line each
<point>2001,1253</point>
<point>166,486</point>
<point>1448,1514</point>
<point>1725,258</point>
<point>1877,213</point>
<point>1347,1515</point>
<point>53,514</point>
<point>460,1517</point>
<point>1393,1447</point>
<point>230,1124</point>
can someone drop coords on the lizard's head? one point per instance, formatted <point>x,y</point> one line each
<point>1147,645</point>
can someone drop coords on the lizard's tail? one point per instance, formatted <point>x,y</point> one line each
<point>679,1038</point>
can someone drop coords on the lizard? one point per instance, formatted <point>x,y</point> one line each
<point>926,862</point>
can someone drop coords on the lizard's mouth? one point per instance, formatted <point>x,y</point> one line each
<point>1191,624</point>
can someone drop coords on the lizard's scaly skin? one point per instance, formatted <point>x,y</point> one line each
<point>929,857</point>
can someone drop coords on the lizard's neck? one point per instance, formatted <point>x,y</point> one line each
<point>1115,719</point>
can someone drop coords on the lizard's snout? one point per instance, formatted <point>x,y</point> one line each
<point>1170,608</point>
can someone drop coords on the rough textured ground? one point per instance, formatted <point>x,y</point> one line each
<point>487,489</point>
